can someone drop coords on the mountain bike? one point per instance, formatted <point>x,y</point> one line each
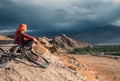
<point>32,56</point>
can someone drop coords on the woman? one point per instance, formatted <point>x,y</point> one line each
<point>21,38</point>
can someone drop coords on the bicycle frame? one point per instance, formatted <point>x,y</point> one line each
<point>44,63</point>
<point>7,45</point>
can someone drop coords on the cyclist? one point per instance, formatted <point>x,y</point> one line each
<point>21,38</point>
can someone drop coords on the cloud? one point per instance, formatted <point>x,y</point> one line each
<point>117,23</point>
<point>52,15</point>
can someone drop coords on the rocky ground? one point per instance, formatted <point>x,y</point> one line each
<point>63,67</point>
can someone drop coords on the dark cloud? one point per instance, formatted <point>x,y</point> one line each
<point>54,15</point>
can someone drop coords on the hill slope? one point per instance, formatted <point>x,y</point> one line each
<point>62,68</point>
<point>59,70</point>
<point>4,38</point>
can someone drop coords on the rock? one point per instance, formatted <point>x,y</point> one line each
<point>67,43</point>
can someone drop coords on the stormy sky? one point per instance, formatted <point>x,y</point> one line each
<point>58,15</point>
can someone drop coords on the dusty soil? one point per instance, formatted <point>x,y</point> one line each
<point>107,67</point>
<point>62,68</point>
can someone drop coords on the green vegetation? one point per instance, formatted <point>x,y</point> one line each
<point>97,49</point>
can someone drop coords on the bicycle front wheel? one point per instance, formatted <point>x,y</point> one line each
<point>4,59</point>
<point>36,58</point>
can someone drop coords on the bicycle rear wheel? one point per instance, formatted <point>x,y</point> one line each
<point>4,59</point>
<point>36,58</point>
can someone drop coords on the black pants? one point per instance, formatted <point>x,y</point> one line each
<point>28,43</point>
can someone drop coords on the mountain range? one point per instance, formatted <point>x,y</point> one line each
<point>95,35</point>
<point>104,34</point>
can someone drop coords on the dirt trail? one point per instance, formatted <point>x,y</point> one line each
<point>109,68</point>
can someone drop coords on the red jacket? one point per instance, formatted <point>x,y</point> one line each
<point>21,37</point>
